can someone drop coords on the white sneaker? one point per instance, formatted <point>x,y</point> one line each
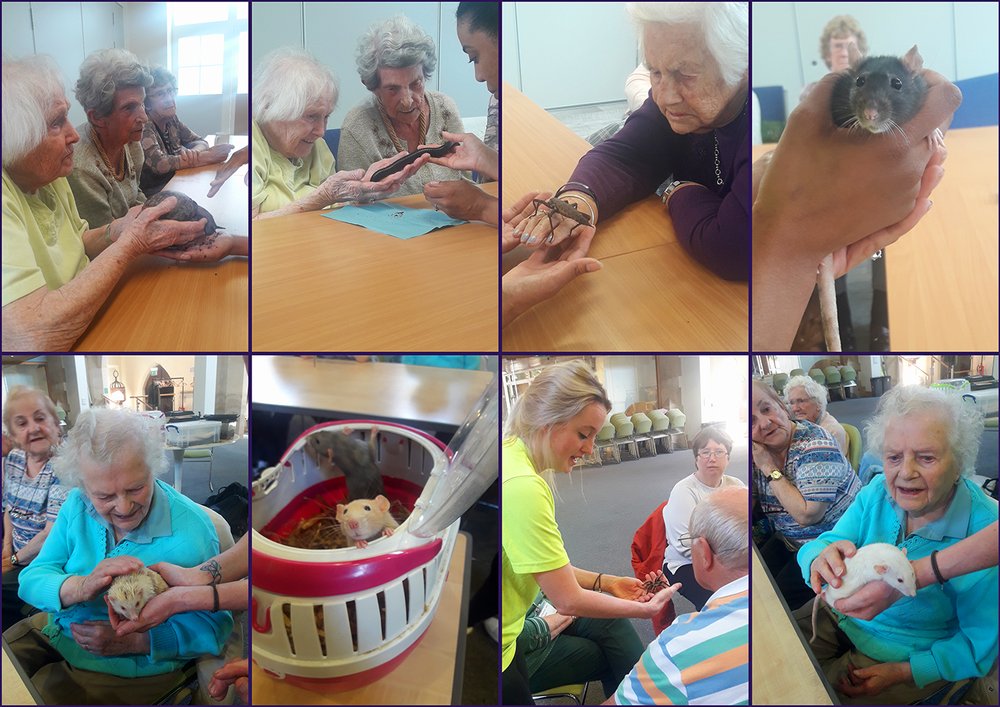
<point>492,626</point>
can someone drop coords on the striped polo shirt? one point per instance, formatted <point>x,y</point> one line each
<point>702,658</point>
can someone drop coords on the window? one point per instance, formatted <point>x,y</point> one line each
<point>208,43</point>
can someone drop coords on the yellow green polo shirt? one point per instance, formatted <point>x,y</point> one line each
<point>531,539</point>
<point>277,180</point>
<point>42,238</point>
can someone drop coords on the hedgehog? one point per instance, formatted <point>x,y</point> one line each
<point>186,209</point>
<point>129,593</point>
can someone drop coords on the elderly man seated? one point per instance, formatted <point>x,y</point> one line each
<point>710,664</point>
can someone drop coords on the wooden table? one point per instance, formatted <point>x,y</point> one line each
<point>783,669</point>
<point>421,396</point>
<point>324,285</point>
<point>650,295</point>
<point>17,687</point>
<point>163,305</point>
<point>430,675</point>
<point>942,276</point>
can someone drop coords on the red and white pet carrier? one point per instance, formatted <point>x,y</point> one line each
<point>354,613</point>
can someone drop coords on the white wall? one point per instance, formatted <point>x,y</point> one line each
<point>330,31</point>
<point>629,379</point>
<point>568,54</point>
<point>69,31</point>
<point>956,39</point>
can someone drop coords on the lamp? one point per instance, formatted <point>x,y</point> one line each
<point>117,390</point>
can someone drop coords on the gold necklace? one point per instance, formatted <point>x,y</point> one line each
<point>396,142</point>
<point>117,172</point>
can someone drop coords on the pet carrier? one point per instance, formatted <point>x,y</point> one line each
<point>345,617</point>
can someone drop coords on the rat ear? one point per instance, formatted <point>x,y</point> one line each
<point>853,55</point>
<point>904,551</point>
<point>913,61</point>
<point>382,502</point>
<point>340,510</point>
<point>881,569</point>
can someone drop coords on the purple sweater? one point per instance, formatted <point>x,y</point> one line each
<point>712,224</point>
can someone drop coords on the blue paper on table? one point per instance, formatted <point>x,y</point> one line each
<point>393,219</point>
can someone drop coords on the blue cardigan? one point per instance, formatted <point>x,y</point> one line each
<point>947,631</point>
<point>176,530</point>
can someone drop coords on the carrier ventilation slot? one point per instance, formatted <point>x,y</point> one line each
<point>352,621</point>
<point>286,621</point>
<point>406,597</point>
<point>380,598</point>
<point>320,627</point>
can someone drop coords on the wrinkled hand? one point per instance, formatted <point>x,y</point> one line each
<point>764,459</point>
<point>872,680</point>
<point>544,273</point>
<point>462,199</point>
<point>471,155</point>
<point>101,577</point>
<point>141,230</point>
<point>234,673</point>
<point>214,155</point>
<point>99,638</point>
<point>512,217</point>
<point>829,566</point>
<point>232,165</point>
<point>869,601</point>
<point>207,249</point>
<point>356,184</point>
<point>540,231</point>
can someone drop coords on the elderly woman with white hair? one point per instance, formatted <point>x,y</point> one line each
<point>928,440</point>
<point>57,269</point>
<point>119,518</point>
<point>693,129</point>
<point>108,161</point>
<point>293,168</point>
<point>395,59</point>
<point>807,401</point>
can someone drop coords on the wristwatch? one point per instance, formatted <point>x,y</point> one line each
<point>774,475</point>
<point>13,560</point>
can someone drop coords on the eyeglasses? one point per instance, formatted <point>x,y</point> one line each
<point>713,454</point>
<point>799,401</point>
<point>686,540</point>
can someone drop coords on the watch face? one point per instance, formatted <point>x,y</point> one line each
<point>775,474</point>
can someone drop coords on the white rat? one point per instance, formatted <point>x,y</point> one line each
<point>878,561</point>
<point>129,593</point>
<point>365,519</point>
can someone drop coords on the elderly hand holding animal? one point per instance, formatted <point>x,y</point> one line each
<point>58,270</point>
<point>694,129</point>
<point>119,518</point>
<point>928,440</point>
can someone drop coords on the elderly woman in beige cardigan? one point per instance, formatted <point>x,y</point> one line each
<point>395,58</point>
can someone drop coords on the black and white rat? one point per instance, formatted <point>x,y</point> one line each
<point>365,519</point>
<point>877,561</point>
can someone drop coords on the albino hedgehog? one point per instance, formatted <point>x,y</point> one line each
<point>129,593</point>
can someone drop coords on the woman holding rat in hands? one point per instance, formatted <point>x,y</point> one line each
<point>551,427</point>
<point>118,519</point>
<point>933,642</point>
